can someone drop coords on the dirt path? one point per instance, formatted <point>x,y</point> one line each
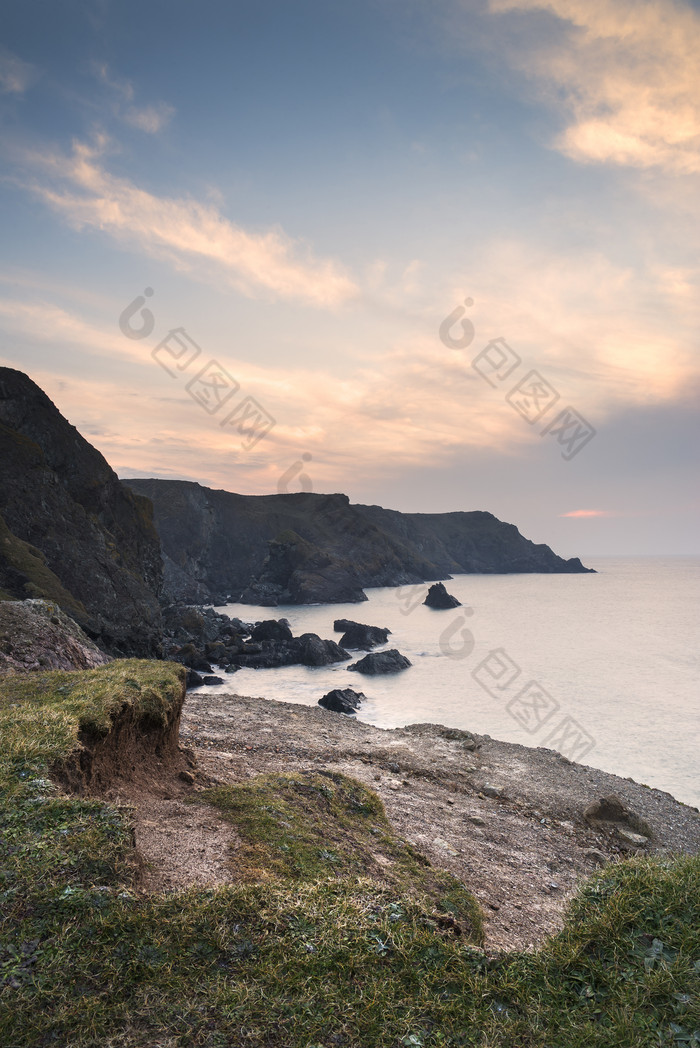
<point>505,819</point>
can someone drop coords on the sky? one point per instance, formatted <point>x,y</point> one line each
<point>437,256</point>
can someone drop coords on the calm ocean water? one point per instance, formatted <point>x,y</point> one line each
<point>604,668</point>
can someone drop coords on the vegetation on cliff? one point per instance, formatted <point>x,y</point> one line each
<point>306,949</point>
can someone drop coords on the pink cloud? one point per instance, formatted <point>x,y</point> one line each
<point>589,513</point>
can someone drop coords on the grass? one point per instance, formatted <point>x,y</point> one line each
<point>312,826</point>
<point>309,948</point>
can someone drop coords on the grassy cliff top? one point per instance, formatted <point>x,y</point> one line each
<point>291,955</point>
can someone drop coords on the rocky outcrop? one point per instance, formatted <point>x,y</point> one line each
<point>70,531</point>
<point>305,548</point>
<point>200,637</point>
<point>342,700</point>
<point>381,662</point>
<point>363,637</point>
<point>297,572</point>
<point>438,597</point>
<point>38,635</point>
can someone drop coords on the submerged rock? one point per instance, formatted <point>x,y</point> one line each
<point>381,662</point>
<point>438,597</point>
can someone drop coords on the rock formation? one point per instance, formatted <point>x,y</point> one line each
<point>381,662</point>
<point>38,635</point>
<point>307,548</point>
<point>342,700</point>
<point>364,637</point>
<point>71,531</point>
<point>438,597</point>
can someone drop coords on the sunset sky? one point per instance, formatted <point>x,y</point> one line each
<point>309,190</point>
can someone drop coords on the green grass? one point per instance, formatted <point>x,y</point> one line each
<point>312,826</point>
<point>310,948</point>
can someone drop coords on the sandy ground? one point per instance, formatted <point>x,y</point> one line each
<point>507,820</point>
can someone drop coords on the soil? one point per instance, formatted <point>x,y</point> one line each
<point>505,819</point>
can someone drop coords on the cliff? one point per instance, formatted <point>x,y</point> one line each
<point>70,531</point>
<point>305,547</point>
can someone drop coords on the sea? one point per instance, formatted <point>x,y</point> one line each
<point>604,668</point>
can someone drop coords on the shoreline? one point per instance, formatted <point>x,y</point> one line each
<point>506,819</point>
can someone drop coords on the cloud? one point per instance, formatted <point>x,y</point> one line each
<point>151,118</point>
<point>630,77</point>
<point>15,74</point>
<point>589,513</point>
<point>184,231</point>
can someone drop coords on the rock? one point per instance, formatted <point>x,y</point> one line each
<point>226,536</point>
<point>189,656</point>
<point>381,662</point>
<point>194,680</point>
<point>187,776</point>
<point>440,843</point>
<point>438,597</point>
<point>342,700</point>
<point>37,635</point>
<point>492,791</point>
<point>316,652</point>
<point>296,571</point>
<point>272,629</point>
<point>70,531</point>
<point>342,625</point>
<point>607,809</point>
<point>212,679</point>
<point>610,814</point>
<point>635,840</point>
<point>364,637</point>
<point>477,820</point>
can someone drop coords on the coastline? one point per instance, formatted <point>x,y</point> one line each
<point>507,820</point>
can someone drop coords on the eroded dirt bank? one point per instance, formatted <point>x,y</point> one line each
<point>507,820</point>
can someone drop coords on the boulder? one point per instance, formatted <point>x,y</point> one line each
<point>38,635</point>
<point>381,662</point>
<point>438,597</point>
<point>343,625</point>
<point>271,629</point>
<point>191,657</point>
<point>316,652</point>
<point>612,815</point>
<point>194,680</point>
<point>364,637</point>
<point>212,679</point>
<point>606,809</point>
<point>342,700</point>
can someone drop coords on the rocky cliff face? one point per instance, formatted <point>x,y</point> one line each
<point>70,531</point>
<point>304,548</point>
<point>38,635</point>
